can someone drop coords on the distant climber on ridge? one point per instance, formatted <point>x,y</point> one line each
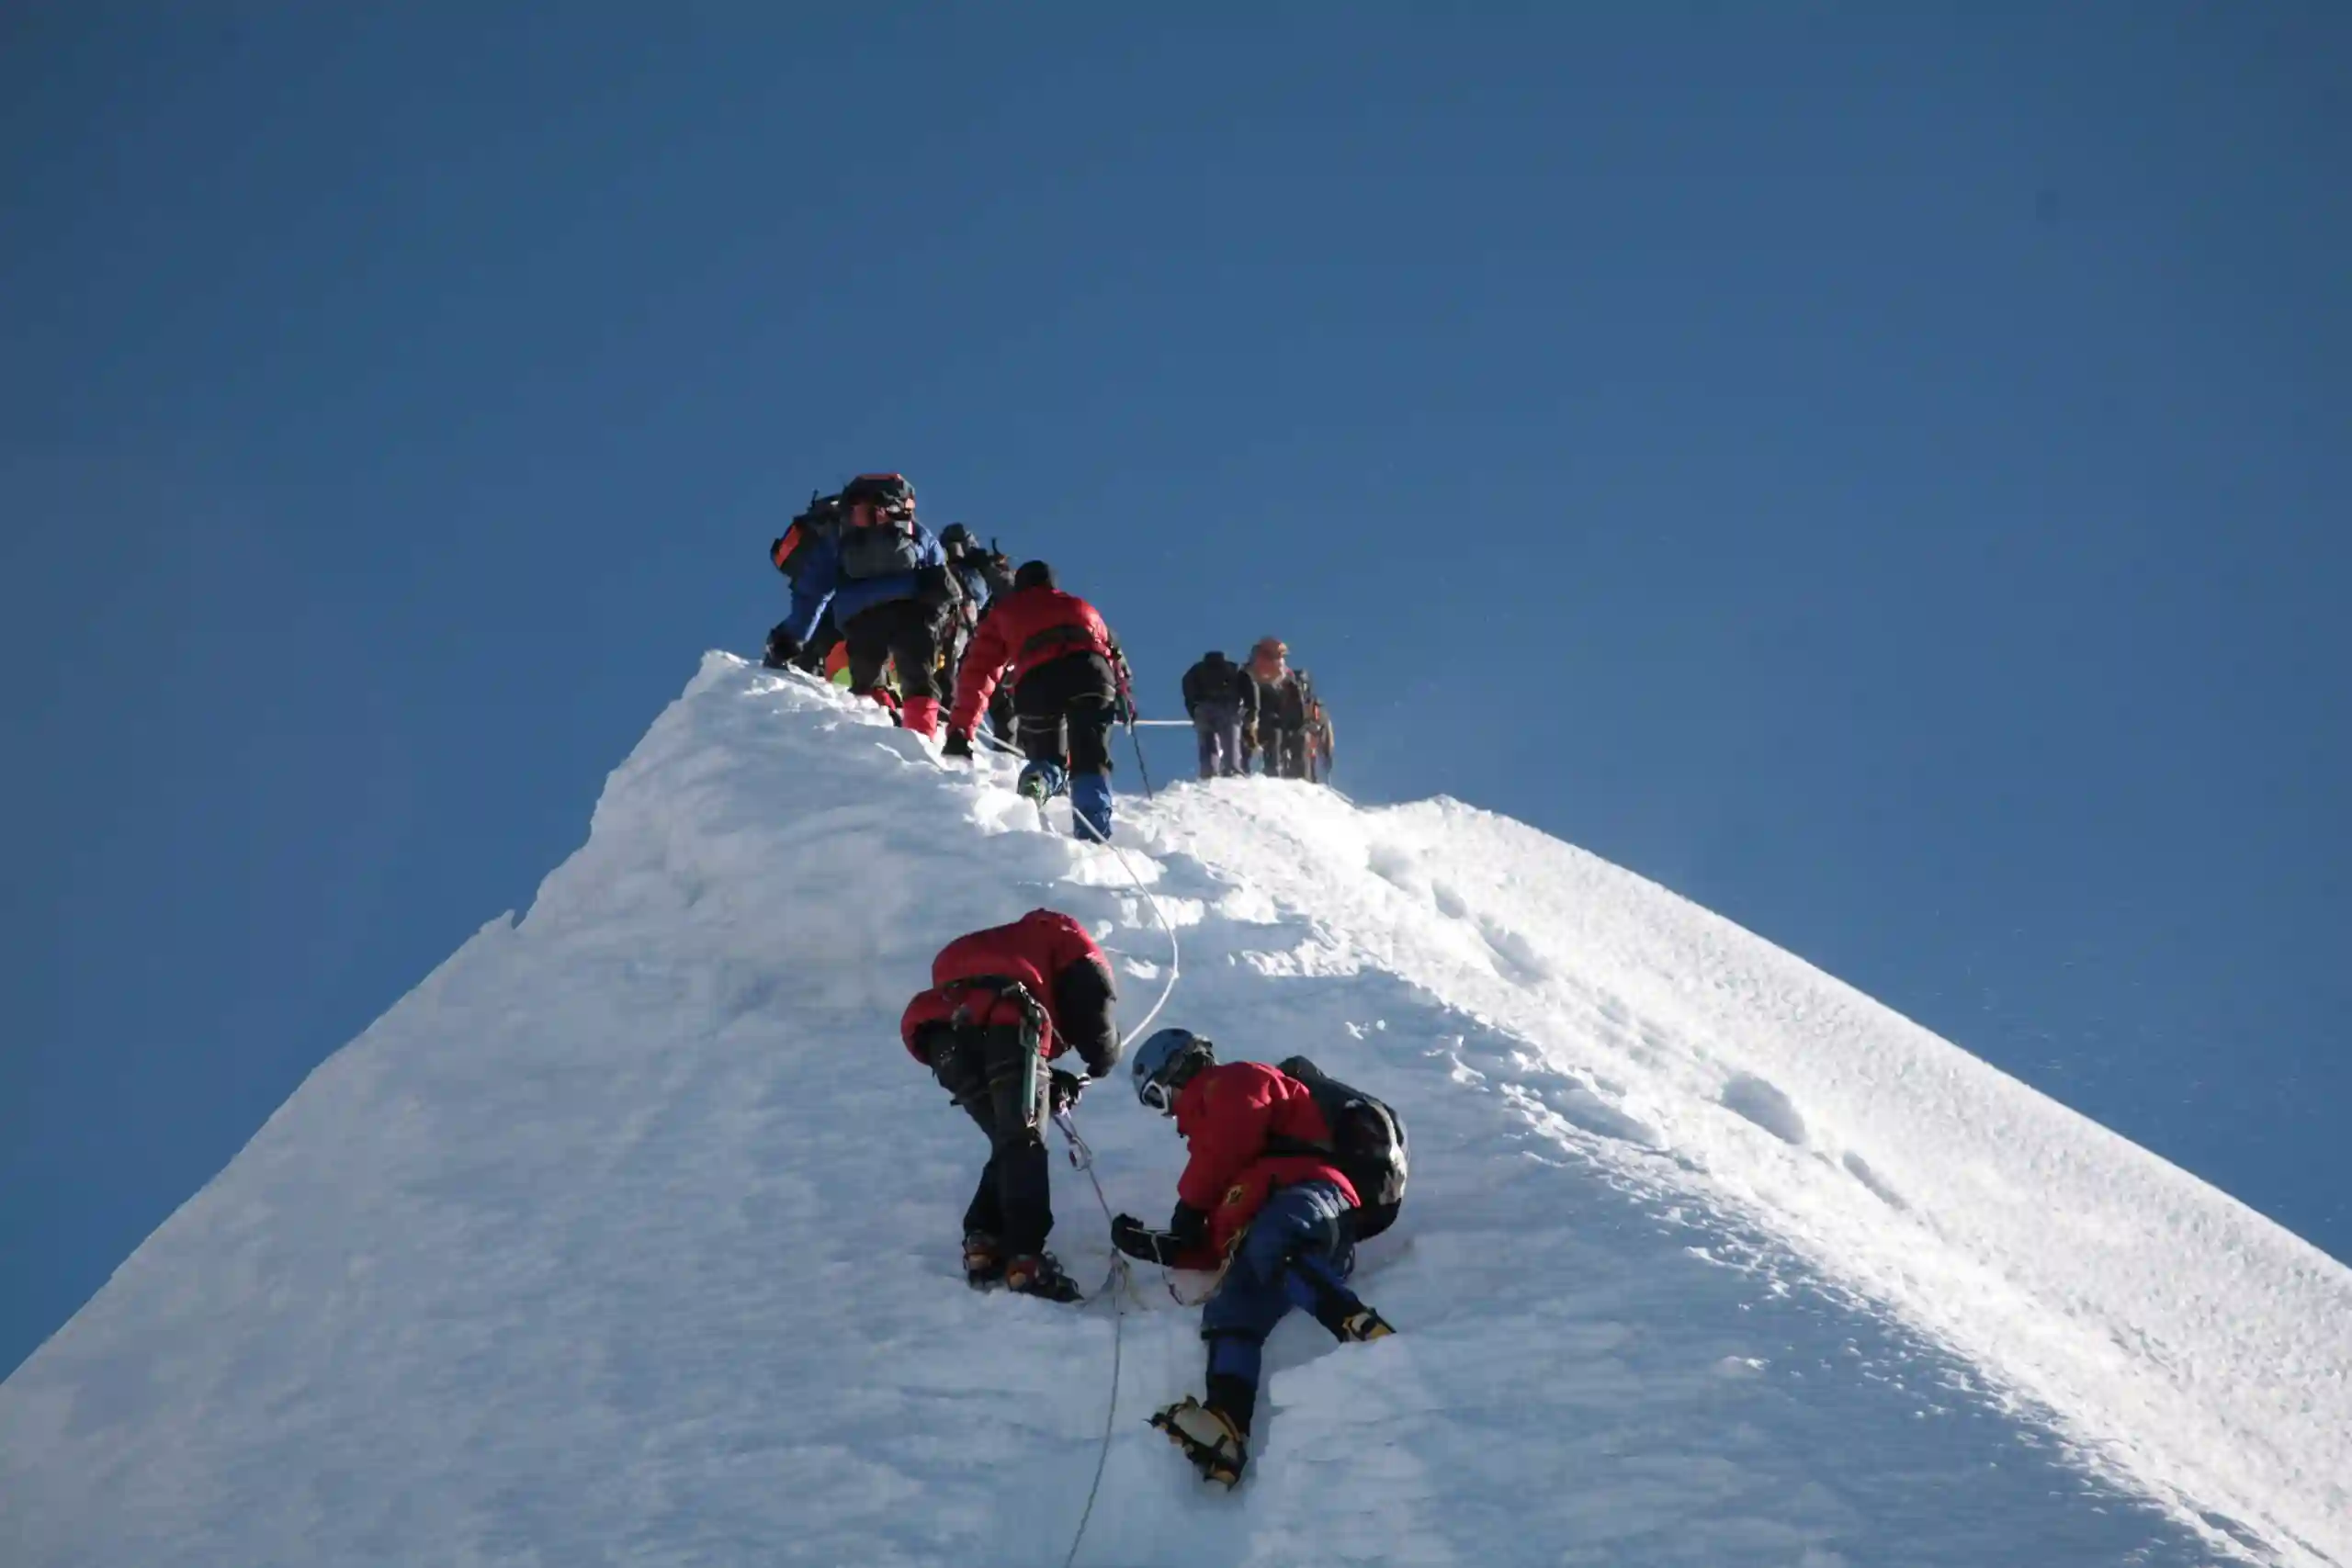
<point>1283,695</point>
<point>1066,674</point>
<point>887,584</point>
<point>1222,701</point>
<point>1264,1191</point>
<point>1005,1002</point>
<point>1322,744</point>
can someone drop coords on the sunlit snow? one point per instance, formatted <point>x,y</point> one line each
<point>630,1236</point>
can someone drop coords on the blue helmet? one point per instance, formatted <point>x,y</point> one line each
<point>1165,1064</point>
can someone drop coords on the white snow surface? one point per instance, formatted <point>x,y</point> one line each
<point>630,1236</point>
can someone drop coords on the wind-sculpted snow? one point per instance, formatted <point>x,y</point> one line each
<point>630,1236</point>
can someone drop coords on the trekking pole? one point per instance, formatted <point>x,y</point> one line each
<point>1136,741</point>
<point>1126,682</point>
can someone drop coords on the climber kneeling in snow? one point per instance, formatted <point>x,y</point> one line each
<point>1003,1002</point>
<point>886,580</point>
<point>1065,671</point>
<point>1264,1191</point>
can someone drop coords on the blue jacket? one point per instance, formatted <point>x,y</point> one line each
<point>820,582</point>
<point>975,584</point>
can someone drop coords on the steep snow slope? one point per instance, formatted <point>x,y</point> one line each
<point>629,1236</point>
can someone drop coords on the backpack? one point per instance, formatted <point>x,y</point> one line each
<point>880,548</point>
<point>791,552</point>
<point>1368,1144</point>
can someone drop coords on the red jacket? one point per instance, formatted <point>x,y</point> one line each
<point>1226,1113</point>
<point>1024,629</point>
<point>1050,954</point>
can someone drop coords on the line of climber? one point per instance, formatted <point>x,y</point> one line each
<point>1263,708</point>
<point>874,594</point>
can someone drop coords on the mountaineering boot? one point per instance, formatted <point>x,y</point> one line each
<point>1208,1437</point>
<point>1039,783</point>
<point>983,1260</point>
<point>1366,1324</point>
<point>1038,1275</point>
<point>1089,801</point>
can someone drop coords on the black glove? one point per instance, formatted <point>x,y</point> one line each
<point>1067,1087</point>
<point>783,649</point>
<point>1187,1226</point>
<point>935,590</point>
<point>1131,1236</point>
<point>957,744</point>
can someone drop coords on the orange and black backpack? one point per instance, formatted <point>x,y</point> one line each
<point>790,552</point>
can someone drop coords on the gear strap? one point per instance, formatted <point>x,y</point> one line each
<point>1036,1028</point>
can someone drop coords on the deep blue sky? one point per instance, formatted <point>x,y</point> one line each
<point>1884,476</point>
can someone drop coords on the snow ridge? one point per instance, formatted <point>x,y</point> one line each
<point>629,1237</point>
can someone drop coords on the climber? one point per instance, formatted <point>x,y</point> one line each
<point>1002,1004</point>
<point>1222,701</point>
<point>1262,1190</point>
<point>790,553</point>
<point>1322,744</point>
<point>887,584</point>
<point>1067,675</point>
<point>1282,696</point>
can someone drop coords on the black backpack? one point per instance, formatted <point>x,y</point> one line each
<point>880,548</point>
<point>1368,1144</point>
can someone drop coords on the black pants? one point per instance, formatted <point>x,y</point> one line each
<point>906,630</point>
<point>982,1067</point>
<point>1285,751</point>
<point>1076,691</point>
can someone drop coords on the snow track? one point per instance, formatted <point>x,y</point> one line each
<point>629,1236</point>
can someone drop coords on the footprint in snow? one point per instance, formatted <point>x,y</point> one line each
<point>1580,1106</point>
<point>1398,867</point>
<point>1859,1169</point>
<point>1514,956</point>
<point>1765,1105</point>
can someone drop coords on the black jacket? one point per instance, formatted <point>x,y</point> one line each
<point>1216,679</point>
<point>1282,704</point>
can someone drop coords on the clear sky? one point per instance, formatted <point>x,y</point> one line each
<point>1881,472</point>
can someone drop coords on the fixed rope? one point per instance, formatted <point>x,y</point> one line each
<point>1120,1280</point>
<point>1120,1283</point>
<point>1119,1286</point>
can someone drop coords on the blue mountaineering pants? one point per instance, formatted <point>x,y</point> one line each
<point>1296,1253</point>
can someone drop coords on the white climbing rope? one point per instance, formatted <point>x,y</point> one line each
<point>1120,1283</point>
<point>1120,1280</point>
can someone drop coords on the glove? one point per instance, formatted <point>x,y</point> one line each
<point>783,649</point>
<point>1067,1087</point>
<point>957,744</point>
<point>935,590</point>
<point>1250,737</point>
<point>1131,1236</point>
<point>1124,710</point>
